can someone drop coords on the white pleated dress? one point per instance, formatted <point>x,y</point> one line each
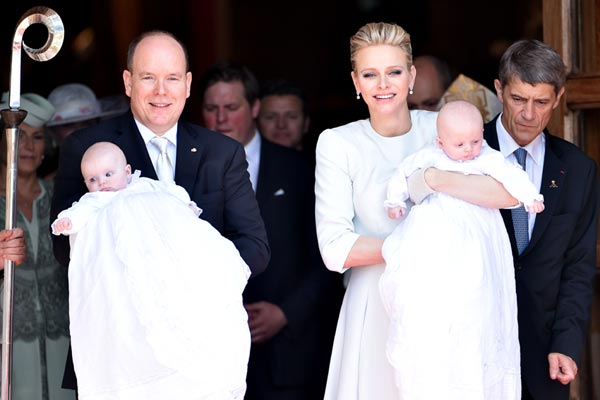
<point>155,298</point>
<point>354,165</point>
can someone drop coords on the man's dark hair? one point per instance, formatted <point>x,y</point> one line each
<point>231,71</point>
<point>283,87</point>
<point>532,62</point>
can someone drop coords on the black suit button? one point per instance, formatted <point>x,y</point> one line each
<point>519,267</point>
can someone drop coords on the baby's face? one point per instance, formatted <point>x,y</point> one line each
<point>105,173</point>
<point>461,144</point>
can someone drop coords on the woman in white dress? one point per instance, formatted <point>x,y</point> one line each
<point>354,164</point>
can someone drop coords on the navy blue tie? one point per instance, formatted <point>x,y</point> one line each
<point>520,216</point>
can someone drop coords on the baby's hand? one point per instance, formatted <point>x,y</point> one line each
<point>396,212</point>
<point>536,207</point>
<point>61,225</point>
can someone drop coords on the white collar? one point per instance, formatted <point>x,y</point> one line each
<point>253,147</point>
<point>147,134</point>
<point>507,144</point>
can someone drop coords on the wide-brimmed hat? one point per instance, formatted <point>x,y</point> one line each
<point>39,110</point>
<point>76,102</point>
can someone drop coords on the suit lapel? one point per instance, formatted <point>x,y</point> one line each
<point>490,134</point>
<point>553,178</point>
<point>189,154</point>
<point>131,142</point>
<point>262,183</point>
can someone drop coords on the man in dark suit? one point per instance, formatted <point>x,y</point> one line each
<point>293,306</point>
<point>211,167</point>
<point>555,270</point>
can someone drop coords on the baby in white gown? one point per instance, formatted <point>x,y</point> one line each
<point>155,293</point>
<point>449,283</point>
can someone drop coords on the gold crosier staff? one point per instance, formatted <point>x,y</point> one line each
<point>12,118</point>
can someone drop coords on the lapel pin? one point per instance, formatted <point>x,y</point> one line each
<point>193,150</point>
<point>553,184</point>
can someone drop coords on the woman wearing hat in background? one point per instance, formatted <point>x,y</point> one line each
<point>76,107</point>
<point>40,311</point>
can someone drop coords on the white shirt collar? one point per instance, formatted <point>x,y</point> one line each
<point>252,150</point>
<point>147,134</point>
<point>170,135</point>
<point>535,149</point>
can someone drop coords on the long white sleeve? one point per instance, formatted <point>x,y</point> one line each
<point>80,212</point>
<point>334,208</point>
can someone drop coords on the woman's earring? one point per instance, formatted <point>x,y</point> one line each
<point>357,95</point>
<point>410,91</point>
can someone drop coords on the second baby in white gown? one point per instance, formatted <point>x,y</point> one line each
<point>449,285</point>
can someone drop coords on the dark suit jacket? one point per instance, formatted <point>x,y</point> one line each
<point>210,166</point>
<point>296,279</point>
<point>554,274</point>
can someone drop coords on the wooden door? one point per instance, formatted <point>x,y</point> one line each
<point>573,28</point>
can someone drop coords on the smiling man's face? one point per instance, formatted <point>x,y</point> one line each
<point>158,83</point>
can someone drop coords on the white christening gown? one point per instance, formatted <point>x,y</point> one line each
<point>155,298</point>
<point>449,288</point>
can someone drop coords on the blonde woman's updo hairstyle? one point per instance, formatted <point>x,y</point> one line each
<point>376,33</point>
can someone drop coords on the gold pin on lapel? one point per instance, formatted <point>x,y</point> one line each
<point>193,150</point>
<point>553,184</point>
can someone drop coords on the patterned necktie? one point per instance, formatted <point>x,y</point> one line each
<point>164,168</point>
<point>520,216</point>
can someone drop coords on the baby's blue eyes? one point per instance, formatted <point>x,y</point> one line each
<point>108,175</point>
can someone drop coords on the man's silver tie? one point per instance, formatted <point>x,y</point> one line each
<point>164,168</point>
